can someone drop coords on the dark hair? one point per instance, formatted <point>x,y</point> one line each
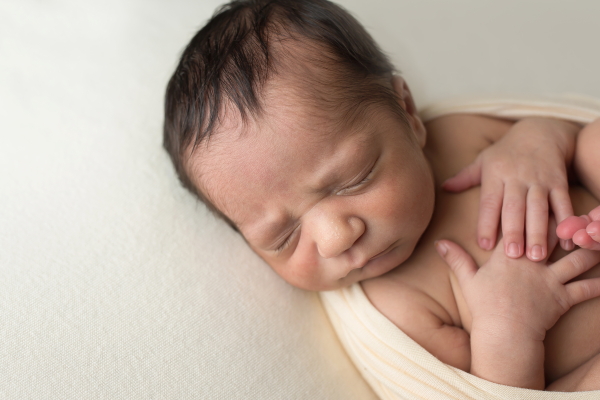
<point>232,56</point>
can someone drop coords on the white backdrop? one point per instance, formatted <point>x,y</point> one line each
<point>114,282</point>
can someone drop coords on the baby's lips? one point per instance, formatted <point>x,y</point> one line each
<point>567,228</point>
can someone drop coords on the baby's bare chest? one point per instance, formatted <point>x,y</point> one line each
<point>572,341</point>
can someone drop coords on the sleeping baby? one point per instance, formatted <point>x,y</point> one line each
<point>286,120</point>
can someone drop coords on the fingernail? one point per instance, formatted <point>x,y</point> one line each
<point>593,230</point>
<point>441,248</point>
<point>513,250</point>
<point>537,252</point>
<point>484,243</point>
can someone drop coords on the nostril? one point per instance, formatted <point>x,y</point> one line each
<point>358,226</point>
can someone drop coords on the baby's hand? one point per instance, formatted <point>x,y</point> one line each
<point>522,176</point>
<point>531,295</point>
<point>584,231</point>
<point>513,303</point>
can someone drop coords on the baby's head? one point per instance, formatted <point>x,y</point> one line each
<point>286,119</point>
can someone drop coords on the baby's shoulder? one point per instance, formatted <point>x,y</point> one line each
<point>471,127</point>
<point>463,130</point>
<point>455,140</point>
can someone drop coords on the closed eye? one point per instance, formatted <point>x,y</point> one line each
<point>358,185</point>
<point>287,242</point>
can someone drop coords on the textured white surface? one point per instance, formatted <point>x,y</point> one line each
<point>115,283</point>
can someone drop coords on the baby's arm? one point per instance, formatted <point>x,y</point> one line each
<point>513,303</point>
<point>521,174</point>
<point>585,230</point>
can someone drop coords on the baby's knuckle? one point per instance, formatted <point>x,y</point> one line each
<point>511,233</point>
<point>512,206</point>
<point>489,203</point>
<point>539,190</point>
<point>563,303</point>
<point>587,291</point>
<point>561,185</point>
<point>583,291</point>
<point>578,262</point>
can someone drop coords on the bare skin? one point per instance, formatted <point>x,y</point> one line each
<point>584,231</point>
<point>327,205</point>
<point>423,297</point>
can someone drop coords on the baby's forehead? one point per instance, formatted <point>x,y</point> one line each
<point>240,167</point>
<point>300,104</point>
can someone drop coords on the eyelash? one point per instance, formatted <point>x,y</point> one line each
<point>362,182</point>
<point>288,240</point>
<point>366,179</point>
<point>286,243</point>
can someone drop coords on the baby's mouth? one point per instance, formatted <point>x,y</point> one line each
<point>390,247</point>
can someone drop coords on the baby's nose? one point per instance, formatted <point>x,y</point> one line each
<point>336,234</point>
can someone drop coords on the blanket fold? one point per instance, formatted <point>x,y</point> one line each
<point>397,367</point>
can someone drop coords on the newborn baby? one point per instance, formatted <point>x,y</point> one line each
<point>286,119</point>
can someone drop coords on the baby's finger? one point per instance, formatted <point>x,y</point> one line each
<point>595,214</point>
<point>560,201</point>
<point>582,239</point>
<point>536,223</point>
<point>575,264</point>
<point>458,260</point>
<point>551,236</point>
<point>567,228</point>
<point>489,213</point>
<point>593,229</point>
<point>585,289</point>
<point>513,220</point>
<point>466,178</point>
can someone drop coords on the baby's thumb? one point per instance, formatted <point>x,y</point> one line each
<point>457,259</point>
<point>595,214</point>
<point>466,178</point>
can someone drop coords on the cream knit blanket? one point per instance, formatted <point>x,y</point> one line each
<point>394,365</point>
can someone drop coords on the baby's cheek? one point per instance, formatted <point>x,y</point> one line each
<point>301,270</point>
<point>392,198</point>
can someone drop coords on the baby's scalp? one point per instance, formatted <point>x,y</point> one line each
<point>227,64</point>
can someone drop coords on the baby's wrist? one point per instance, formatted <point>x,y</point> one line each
<point>507,355</point>
<point>563,132</point>
<point>500,329</point>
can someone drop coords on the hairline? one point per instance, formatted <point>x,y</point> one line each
<point>362,110</point>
